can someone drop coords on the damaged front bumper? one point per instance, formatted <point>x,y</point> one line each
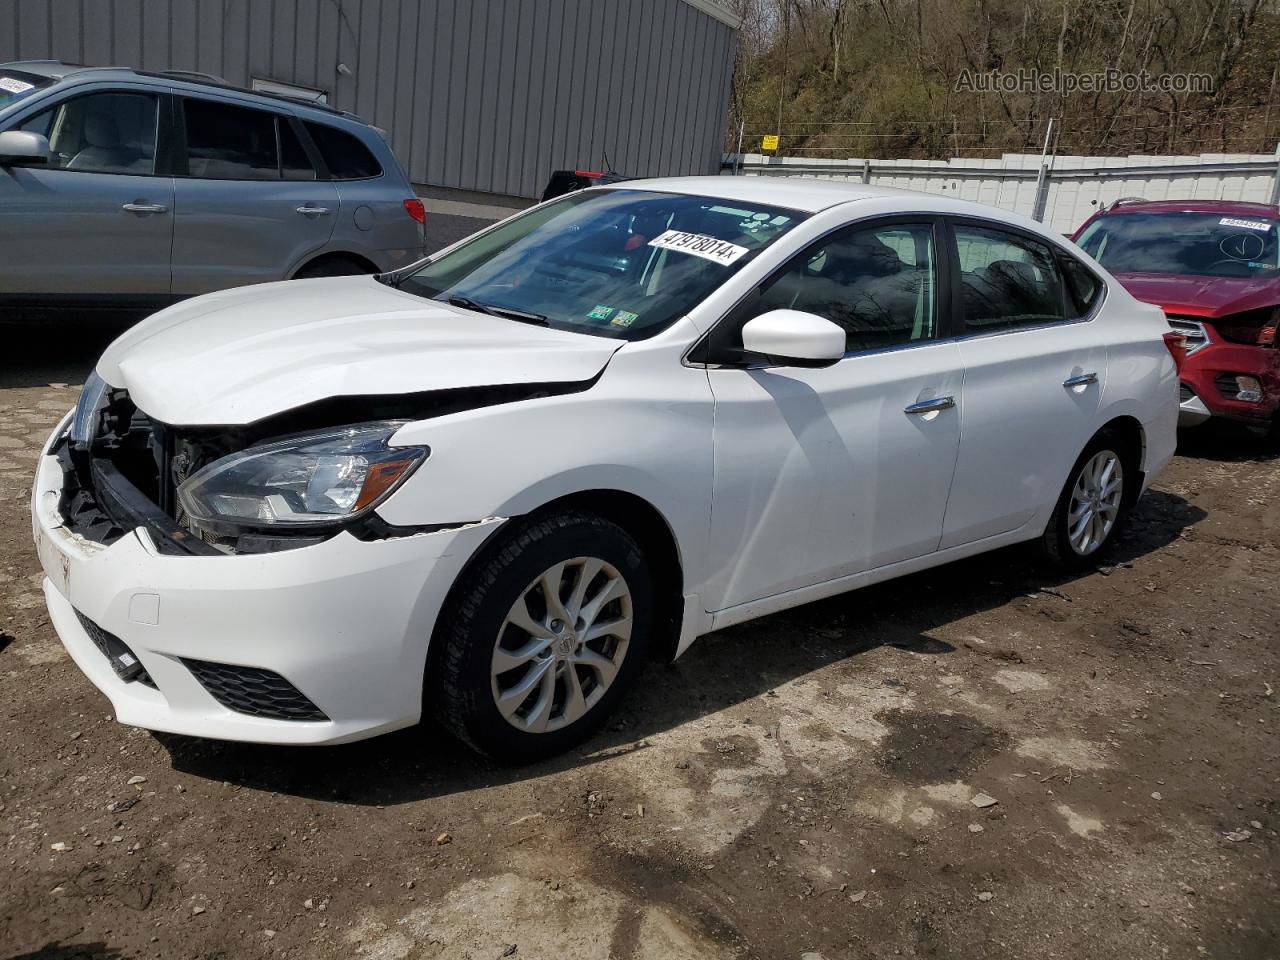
<point>321,644</point>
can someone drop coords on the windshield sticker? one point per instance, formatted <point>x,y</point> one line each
<point>15,86</point>
<point>600,312</point>
<point>709,248</point>
<point>1247,224</point>
<point>625,318</point>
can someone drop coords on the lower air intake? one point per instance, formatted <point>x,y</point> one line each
<point>258,693</point>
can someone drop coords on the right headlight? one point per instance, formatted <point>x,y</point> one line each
<point>304,481</point>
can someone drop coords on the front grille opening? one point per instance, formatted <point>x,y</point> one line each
<point>1185,393</point>
<point>123,661</point>
<point>253,691</point>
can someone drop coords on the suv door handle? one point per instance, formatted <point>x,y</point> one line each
<point>140,207</point>
<point>309,211</point>
<point>1083,380</point>
<point>929,406</point>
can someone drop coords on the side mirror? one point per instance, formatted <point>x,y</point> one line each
<point>794,338</point>
<point>21,149</point>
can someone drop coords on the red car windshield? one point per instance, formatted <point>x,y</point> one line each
<point>1198,244</point>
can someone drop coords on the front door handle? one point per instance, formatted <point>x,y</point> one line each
<point>929,406</point>
<point>310,211</point>
<point>1083,380</point>
<point>139,206</point>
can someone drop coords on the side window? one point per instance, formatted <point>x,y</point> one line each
<point>1083,288</point>
<point>345,156</point>
<point>294,162</point>
<point>101,133</point>
<point>878,282</point>
<point>227,142</point>
<point>1006,281</point>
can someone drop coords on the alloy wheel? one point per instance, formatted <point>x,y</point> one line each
<point>1095,502</point>
<point>561,645</point>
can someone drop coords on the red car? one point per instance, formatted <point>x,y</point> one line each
<point>1214,268</point>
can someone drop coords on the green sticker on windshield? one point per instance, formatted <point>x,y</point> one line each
<point>624,318</point>
<point>601,312</point>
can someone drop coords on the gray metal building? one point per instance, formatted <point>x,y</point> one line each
<point>477,95</point>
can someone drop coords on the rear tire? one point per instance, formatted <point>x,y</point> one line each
<point>1093,506</point>
<point>333,266</point>
<point>542,637</point>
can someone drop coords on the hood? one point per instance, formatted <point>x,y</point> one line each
<point>234,357</point>
<point>1207,297</point>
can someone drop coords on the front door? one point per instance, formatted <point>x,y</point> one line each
<point>249,208</point>
<point>822,473</point>
<point>96,223</point>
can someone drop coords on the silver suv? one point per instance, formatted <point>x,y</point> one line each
<point>132,189</point>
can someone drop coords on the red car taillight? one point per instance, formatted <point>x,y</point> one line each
<point>416,210</point>
<point>1177,344</point>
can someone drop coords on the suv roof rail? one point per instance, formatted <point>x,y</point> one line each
<point>209,80</point>
<point>1118,202</point>
<point>195,75</point>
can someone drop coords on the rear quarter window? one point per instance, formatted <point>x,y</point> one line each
<point>1084,289</point>
<point>345,156</point>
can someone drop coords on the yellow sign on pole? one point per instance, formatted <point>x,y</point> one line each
<point>769,142</point>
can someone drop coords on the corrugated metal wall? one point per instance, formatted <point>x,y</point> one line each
<point>486,95</point>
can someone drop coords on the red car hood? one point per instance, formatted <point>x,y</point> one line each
<point>1202,296</point>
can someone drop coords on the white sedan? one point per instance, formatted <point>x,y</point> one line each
<point>492,485</point>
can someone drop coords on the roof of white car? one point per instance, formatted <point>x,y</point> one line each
<point>798,193</point>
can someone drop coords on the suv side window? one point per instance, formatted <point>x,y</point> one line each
<point>105,132</point>
<point>1007,281</point>
<point>345,156</point>
<point>878,282</point>
<point>229,142</point>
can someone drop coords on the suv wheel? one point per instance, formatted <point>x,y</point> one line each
<point>1092,506</point>
<point>543,637</point>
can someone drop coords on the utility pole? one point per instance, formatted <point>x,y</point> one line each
<point>782,77</point>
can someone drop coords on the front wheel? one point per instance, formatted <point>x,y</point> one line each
<point>540,640</point>
<point>1092,506</point>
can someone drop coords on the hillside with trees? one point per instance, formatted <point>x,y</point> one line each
<point>878,78</point>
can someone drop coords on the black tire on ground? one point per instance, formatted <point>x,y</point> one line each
<point>1055,544</point>
<point>458,685</point>
<point>333,266</point>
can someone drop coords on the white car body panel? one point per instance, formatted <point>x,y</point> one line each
<point>243,354</point>
<point>778,485</point>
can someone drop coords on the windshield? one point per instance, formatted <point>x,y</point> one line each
<point>614,263</point>
<point>1199,244</point>
<point>15,85</point>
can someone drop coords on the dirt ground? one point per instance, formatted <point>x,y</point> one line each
<point>810,785</point>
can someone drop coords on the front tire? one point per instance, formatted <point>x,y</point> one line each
<point>541,638</point>
<point>1093,505</point>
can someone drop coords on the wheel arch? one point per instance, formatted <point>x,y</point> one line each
<point>344,255</point>
<point>641,520</point>
<point>1131,435</point>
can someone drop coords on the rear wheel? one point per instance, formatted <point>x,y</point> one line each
<point>543,637</point>
<point>333,266</point>
<point>1092,506</point>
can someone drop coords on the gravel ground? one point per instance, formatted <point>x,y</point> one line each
<point>976,762</point>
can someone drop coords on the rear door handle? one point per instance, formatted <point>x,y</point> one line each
<point>140,207</point>
<point>929,406</point>
<point>310,211</point>
<point>1083,380</point>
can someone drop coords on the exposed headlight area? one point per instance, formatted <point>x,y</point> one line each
<point>227,490</point>
<point>93,397</point>
<point>306,481</point>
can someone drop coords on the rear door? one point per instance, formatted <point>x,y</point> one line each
<point>248,206</point>
<point>96,223</point>
<point>1035,367</point>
